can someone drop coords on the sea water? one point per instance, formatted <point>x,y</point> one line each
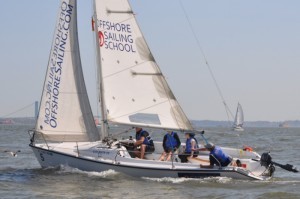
<point>22,176</point>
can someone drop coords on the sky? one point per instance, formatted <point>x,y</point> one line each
<point>253,48</point>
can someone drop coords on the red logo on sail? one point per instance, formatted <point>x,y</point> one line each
<point>101,38</point>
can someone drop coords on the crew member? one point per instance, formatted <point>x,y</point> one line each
<point>191,147</point>
<point>216,156</point>
<point>171,143</point>
<point>143,141</point>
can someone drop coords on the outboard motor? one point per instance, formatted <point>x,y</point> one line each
<point>265,160</point>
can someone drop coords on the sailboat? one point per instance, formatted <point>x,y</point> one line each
<point>133,92</point>
<point>239,119</point>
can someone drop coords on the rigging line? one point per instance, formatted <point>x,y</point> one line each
<point>206,61</point>
<point>21,109</point>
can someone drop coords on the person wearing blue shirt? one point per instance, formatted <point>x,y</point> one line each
<point>143,141</point>
<point>171,143</point>
<point>216,156</point>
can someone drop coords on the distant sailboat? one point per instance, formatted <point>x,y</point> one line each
<point>133,92</point>
<point>239,119</point>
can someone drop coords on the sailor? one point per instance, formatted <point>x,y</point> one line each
<point>191,147</point>
<point>216,156</point>
<point>171,143</point>
<point>144,142</point>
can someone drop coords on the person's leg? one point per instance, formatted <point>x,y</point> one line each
<point>169,155</point>
<point>180,156</point>
<point>162,157</point>
<point>183,157</point>
<point>142,150</point>
<point>227,162</point>
<point>213,161</point>
<point>137,153</point>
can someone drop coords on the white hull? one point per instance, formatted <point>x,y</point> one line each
<point>238,128</point>
<point>134,167</point>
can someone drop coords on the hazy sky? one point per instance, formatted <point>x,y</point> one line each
<point>252,46</point>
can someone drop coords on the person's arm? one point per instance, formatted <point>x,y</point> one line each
<point>193,143</point>
<point>140,141</point>
<point>178,140</point>
<point>200,149</point>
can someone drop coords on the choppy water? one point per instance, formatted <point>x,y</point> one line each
<point>22,177</point>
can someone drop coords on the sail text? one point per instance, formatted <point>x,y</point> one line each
<point>55,68</point>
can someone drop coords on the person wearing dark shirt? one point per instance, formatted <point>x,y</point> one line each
<point>171,143</point>
<point>144,142</point>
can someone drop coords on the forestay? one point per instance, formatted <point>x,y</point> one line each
<point>135,91</point>
<point>65,113</point>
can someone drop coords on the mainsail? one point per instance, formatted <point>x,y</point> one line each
<point>65,113</point>
<point>134,90</point>
<point>239,116</point>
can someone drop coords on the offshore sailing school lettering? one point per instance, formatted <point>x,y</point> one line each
<point>55,67</point>
<point>116,36</point>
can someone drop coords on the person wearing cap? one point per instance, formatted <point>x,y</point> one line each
<point>142,141</point>
<point>171,143</point>
<point>216,156</point>
<point>191,147</point>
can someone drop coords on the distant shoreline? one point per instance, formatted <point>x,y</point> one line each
<point>267,124</point>
<point>196,123</point>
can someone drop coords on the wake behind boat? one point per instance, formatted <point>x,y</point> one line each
<point>133,92</point>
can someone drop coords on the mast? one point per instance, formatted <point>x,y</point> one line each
<point>104,125</point>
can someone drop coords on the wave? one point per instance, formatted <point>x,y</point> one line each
<point>221,180</point>
<point>103,174</point>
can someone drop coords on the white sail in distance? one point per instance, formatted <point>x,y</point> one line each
<point>134,90</point>
<point>239,116</point>
<point>65,113</point>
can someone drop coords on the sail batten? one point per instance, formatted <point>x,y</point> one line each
<point>65,113</point>
<point>134,88</point>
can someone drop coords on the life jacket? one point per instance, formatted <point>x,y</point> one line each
<point>171,142</point>
<point>148,140</point>
<point>188,145</point>
<point>248,148</point>
<point>220,155</point>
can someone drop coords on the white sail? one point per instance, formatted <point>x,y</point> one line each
<point>65,113</point>
<point>239,116</point>
<point>134,90</point>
